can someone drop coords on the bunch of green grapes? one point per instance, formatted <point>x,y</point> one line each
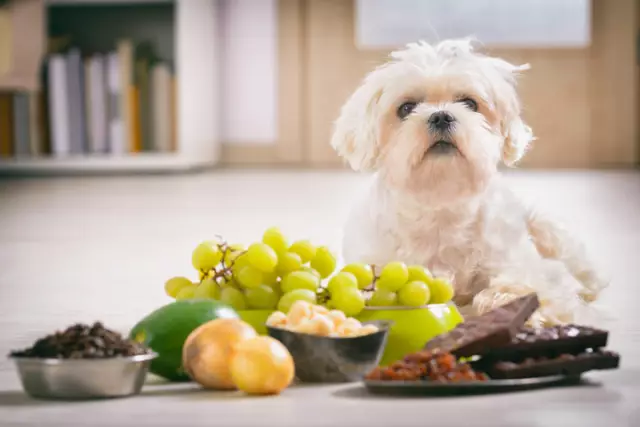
<point>267,275</point>
<point>356,286</point>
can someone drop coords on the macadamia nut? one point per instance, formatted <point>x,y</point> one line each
<point>307,318</point>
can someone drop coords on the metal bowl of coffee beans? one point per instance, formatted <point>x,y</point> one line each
<point>83,362</point>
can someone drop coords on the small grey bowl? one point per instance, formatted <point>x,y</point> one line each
<point>321,359</point>
<point>76,379</point>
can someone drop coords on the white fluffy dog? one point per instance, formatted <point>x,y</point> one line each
<point>433,124</point>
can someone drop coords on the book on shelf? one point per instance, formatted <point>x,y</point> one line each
<point>35,132</point>
<point>161,107</point>
<point>21,131</point>
<point>6,124</point>
<point>115,113</point>
<point>125,66</point>
<point>21,138</point>
<point>97,103</point>
<point>77,117</point>
<point>115,103</point>
<point>135,138</point>
<point>58,105</point>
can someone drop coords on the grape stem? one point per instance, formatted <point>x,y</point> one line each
<point>323,295</point>
<point>223,272</point>
<point>372,286</point>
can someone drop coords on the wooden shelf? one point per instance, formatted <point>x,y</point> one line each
<point>103,2</point>
<point>100,164</point>
<point>194,31</point>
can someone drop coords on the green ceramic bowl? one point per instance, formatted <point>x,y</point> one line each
<point>412,327</point>
<point>257,319</point>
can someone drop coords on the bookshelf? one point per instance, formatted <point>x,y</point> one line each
<point>197,145</point>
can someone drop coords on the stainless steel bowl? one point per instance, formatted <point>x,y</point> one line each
<point>333,360</point>
<point>83,378</point>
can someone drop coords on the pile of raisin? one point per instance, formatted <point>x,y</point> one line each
<point>428,366</point>
<point>81,341</point>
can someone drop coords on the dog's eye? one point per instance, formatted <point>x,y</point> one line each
<point>405,109</point>
<point>469,103</point>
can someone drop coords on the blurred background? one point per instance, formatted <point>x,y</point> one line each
<point>133,130</point>
<point>109,106</point>
<point>111,85</point>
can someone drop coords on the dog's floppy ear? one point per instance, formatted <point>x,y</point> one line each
<point>518,137</point>
<point>355,134</point>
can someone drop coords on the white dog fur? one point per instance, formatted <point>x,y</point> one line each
<point>447,207</point>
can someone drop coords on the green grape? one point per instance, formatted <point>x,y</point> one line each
<point>414,294</point>
<point>324,262</point>
<point>382,298</point>
<point>393,276</point>
<point>288,262</point>
<point>304,249</point>
<point>348,300</point>
<point>441,291</point>
<point>262,257</point>
<point>262,298</point>
<point>311,270</point>
<point>206,256</point>
<point>276,240</point>
<point>227,281</point>
<point>342,280</point>
<point>276,286</point>
<point>232,252</point>
<point>420,273</point>
<point>249,277</point>
<point>287,300</point>
<point>187,292</point>
<point>362,272</point>
<point>175,284</point>
<point>207,289</point>
<point>234,298</point>
<point>270,279</point>
<point>299,280</point>
<point>239,263</point>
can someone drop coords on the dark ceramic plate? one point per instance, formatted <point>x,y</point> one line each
<point>471,387</point>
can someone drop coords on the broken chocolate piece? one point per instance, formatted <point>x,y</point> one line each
<point>479,335</point>
<point>566,364</point>
<point>550,342</point>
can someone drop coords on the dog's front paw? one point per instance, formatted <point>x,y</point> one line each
<point>498,294</point>
<point>592,285</point>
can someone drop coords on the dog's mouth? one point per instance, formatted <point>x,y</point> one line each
<point>442,147</point>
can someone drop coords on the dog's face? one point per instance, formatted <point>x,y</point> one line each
<point>435,121</point>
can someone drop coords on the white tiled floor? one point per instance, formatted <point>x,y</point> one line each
<point>101,248</point>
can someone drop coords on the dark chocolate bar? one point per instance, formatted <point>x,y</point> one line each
<point>479,335</point>
<point>550,342</point>
<point>566,364</point>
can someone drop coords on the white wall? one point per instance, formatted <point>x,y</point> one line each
<point>197,79</point>
<point>249,104</point>
<point>382,24</point>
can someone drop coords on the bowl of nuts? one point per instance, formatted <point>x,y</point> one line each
<point>83,362</point>
<point>327,346</point>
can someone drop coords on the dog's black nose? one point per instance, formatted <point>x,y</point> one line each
<point>441,120</point>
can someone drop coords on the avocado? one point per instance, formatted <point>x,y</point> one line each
<point>166,329</point>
